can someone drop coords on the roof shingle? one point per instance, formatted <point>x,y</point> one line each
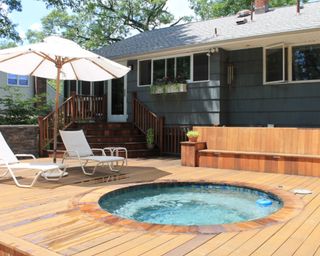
<point>276,21</point>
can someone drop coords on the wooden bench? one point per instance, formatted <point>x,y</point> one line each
<point>278,150</point>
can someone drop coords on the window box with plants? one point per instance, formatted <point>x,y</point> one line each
<point>165,85</point>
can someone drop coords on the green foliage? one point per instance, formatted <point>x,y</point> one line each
<point>150,136</point>
<point>168,88</point>
<point>208,9</point>
<point>52,84</point>
<point>71,26</point>
<point>193,134</point>
<point>7,28</point>
<point>7,44</point>
<point>96,23</point>
<point>16,109</point>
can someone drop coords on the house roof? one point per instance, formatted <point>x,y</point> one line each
<point>277,21</point>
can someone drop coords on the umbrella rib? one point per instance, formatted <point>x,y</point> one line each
<point>13,57</point>
<point>74,71</point>
<point>70,60</point>
<point>46,56</point>
<point>31,74</point>
<point>114,76</point>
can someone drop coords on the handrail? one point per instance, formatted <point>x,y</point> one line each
<point>144,119</point>
<point>76,108</point>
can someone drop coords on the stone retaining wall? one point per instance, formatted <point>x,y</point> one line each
<point>22,139</point>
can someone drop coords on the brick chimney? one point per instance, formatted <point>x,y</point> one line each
<point>261,6</point>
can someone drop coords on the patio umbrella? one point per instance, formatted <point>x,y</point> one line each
<point>60,59</point>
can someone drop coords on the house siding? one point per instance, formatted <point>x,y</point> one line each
<point>27,92</point>
<point>199,105</point>
<point>250,103</point>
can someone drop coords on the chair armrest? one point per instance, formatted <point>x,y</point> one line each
<point>119,149</point>
<point>110,149</point>
<point>116,150</point>
<point>25,155</point>
<point>100,150</point>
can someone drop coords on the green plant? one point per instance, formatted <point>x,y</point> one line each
<point>150,136</point>
<point>53,85</point>
<point>16,109</point>
<point>193,134</point>
<point>165,84</point>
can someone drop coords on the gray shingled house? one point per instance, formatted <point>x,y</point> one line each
<point>237,70</point>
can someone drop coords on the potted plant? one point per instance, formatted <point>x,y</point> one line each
<point>193,135</point>
<point>150,138</point>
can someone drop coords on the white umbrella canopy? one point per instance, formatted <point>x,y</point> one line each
<point>40,60</point>
<point>60,59</point>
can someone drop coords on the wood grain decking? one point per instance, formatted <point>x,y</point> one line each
<point>45,220</point>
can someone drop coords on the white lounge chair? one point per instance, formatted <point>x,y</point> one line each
<point>10,162</point>
<point>77,147</point>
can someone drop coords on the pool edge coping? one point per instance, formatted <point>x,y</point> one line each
<point>292,206</point>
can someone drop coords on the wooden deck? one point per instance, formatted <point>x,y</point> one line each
<point>44,221</point>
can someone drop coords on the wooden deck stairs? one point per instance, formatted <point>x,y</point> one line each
<point>89,114</point>
<point>103,134</point>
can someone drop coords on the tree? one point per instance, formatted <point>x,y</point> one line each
<point>95,23</point>
<point>7,28</point>
<point>77,27</point>
<point>18,109</point>
<point>7,44</point>
<point>207,9</point>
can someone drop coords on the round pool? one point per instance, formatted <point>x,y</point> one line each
<point>188,204</point>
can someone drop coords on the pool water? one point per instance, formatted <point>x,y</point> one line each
<point>188,204</point>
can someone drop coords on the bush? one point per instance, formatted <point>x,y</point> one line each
<point>193,134</point>
<point>150,136</point>
<point>16,109</point>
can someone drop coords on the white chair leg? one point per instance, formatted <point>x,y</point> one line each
<point>98,164</point>
<point>84,170</point>
<point>23,185</point>
<point>57,178</point>
<point>114,170</point>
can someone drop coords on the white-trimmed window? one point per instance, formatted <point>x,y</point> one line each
<point>144,73</point>
<point>183,68</point>
<point>200,67</point>
<point>274,60</point>
<point>16,80</point>
<point>294,63</point>
<point>160,70</point>
<point>174,69</point>
<point>305,62</point>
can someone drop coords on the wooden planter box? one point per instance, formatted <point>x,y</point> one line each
<point>168,88</point>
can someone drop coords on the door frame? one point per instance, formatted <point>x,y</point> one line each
<point>117,118</point>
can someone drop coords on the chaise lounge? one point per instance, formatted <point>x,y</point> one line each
<point>10,162</point>
<point>78,148</point>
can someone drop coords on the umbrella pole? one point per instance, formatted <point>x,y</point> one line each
<point>56,113</point>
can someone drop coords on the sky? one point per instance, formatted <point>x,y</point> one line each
<point>34,10</point>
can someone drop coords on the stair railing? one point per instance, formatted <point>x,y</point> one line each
<point>144,119</point>
<point>76,108</point>
<point>173,136</point>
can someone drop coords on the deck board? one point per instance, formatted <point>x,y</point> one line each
<point>44,221</point>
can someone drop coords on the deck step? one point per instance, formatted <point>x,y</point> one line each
<point>136,153</point>
<point>101,135</point>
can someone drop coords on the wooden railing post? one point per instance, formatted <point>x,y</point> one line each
<point>134,114</point>
<point>161,133</point>
<point>104,108</point>
<point>73,106</point>
<point>41,137</point>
